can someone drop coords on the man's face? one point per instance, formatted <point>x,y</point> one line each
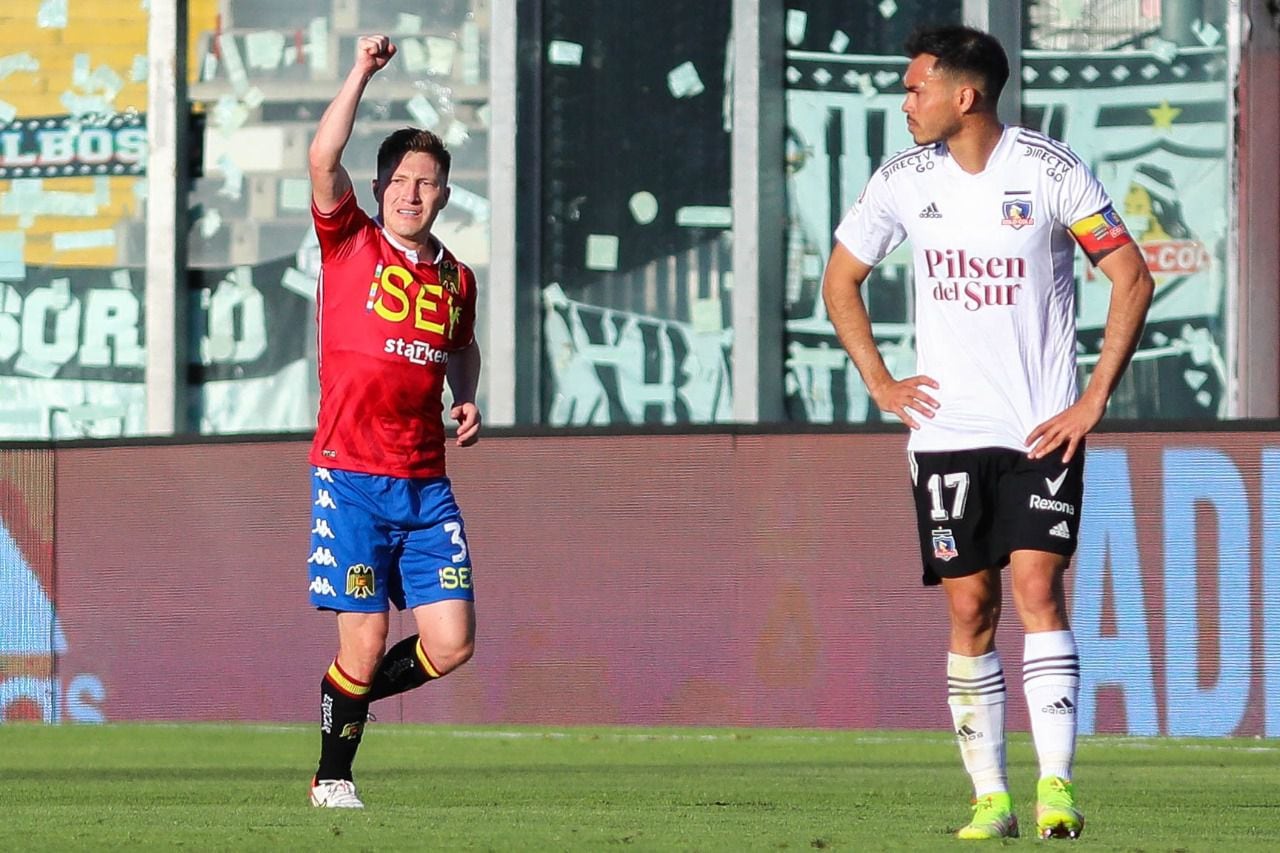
<point>412,196</point>
<point>933,113</point>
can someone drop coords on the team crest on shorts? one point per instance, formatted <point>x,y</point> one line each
<point>944,545</point>
<point>1017,213</point>
<point>360,581</point>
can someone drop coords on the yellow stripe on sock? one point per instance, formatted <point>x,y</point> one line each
<point>426,663</point>
<point>345,683</point>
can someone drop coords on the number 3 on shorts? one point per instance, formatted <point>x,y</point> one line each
<point>454,529</point>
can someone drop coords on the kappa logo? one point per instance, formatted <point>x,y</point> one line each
<point>322,557</point>
<point>1060,530</point>
<point>360,581</point>
<point>322,529</point>
<point>321,586</point>
<point>931,212</point>
<point>324,474</point>
<point>1055,483</point>
<point>324,499</point>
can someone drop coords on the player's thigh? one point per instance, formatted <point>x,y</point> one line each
<point>353,549</point>
<point>956,505</point>
<point>435,558</point>
<point>447,629</point>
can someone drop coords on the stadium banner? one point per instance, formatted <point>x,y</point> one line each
<point>72,350</point>
<point>1151,124</point>
<point>712,579</point>
<point>33,683</point>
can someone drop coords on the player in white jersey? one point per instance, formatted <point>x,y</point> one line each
<point>994,214</point>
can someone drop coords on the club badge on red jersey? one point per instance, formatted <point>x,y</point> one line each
<point>450,276</point>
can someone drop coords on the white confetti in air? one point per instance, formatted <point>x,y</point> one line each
<point>684,82</point>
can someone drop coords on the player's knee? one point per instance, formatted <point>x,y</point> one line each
<point>450,656</point>
<point>974,614</point>
<point>360,658</point>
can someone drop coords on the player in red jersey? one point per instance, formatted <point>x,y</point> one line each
<point>396,321</point>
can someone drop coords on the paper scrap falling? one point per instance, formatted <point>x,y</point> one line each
<point>424,114</point>
<point>564,53</point>
<point>52,15</point>
<point>704,216</point>
<point>797,23</point>
<point>684,82</point>
<point>644,207</point>
<point>602,252</point>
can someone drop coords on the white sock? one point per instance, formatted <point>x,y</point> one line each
<point>976,693</point>
<point>1051,679</point>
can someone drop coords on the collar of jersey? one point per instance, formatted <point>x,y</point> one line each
<point>1008,133</point>
<point>411,254</point>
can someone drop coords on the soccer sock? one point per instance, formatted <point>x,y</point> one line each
<point>344,707</point>
<point>1051,679</point>
<point>405,667</point>
<point>976,693</point>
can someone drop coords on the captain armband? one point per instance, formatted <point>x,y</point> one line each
<point>1101,234</point>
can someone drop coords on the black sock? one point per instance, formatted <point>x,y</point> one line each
<point>344,708</point>
<point>403,668</point>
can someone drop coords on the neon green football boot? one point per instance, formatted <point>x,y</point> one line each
<point>993,817</point>
<point>1056,812</point>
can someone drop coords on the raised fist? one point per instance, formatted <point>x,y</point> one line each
<point>374,52</point>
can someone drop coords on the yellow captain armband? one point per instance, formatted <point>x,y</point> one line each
<point>1101,234</point>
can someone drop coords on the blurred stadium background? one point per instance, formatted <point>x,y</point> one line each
<point>684,513</point>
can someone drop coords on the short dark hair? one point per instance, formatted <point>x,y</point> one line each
<point>406,139</point>
<point>964,50</point>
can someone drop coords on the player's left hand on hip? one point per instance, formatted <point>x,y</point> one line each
<point>1066,428</point>
<point>468,417</point>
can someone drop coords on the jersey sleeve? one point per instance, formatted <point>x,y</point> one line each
<point>342,230</point>
<point>1087,211</point>
<point>871,229</point>
<point>1080,194</point>
<point>467,324</point>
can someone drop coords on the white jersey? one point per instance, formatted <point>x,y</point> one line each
<point>994,290</point>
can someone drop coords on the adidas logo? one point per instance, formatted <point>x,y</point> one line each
<point>931,212</point>
<point>965,733</point>
<point>1060,530</point>
<point>1061,706</point>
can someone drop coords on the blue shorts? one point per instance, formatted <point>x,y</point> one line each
<point>377,541</point>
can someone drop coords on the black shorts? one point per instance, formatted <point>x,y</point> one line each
<point>975,507</point>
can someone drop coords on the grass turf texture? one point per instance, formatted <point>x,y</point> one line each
<point>244,787</point>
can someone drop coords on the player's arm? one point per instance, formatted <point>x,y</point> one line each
<point>463,373</point>
<point>329,180</point>
<point>842,293</point>
<point>1131,291</point>
<point>1107,243</point>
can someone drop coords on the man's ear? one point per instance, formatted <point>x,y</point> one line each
<point>967,98</point>
<point>377,194</point>
<point>448,191</point>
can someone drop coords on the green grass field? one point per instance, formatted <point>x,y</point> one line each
<point>243,787</point>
